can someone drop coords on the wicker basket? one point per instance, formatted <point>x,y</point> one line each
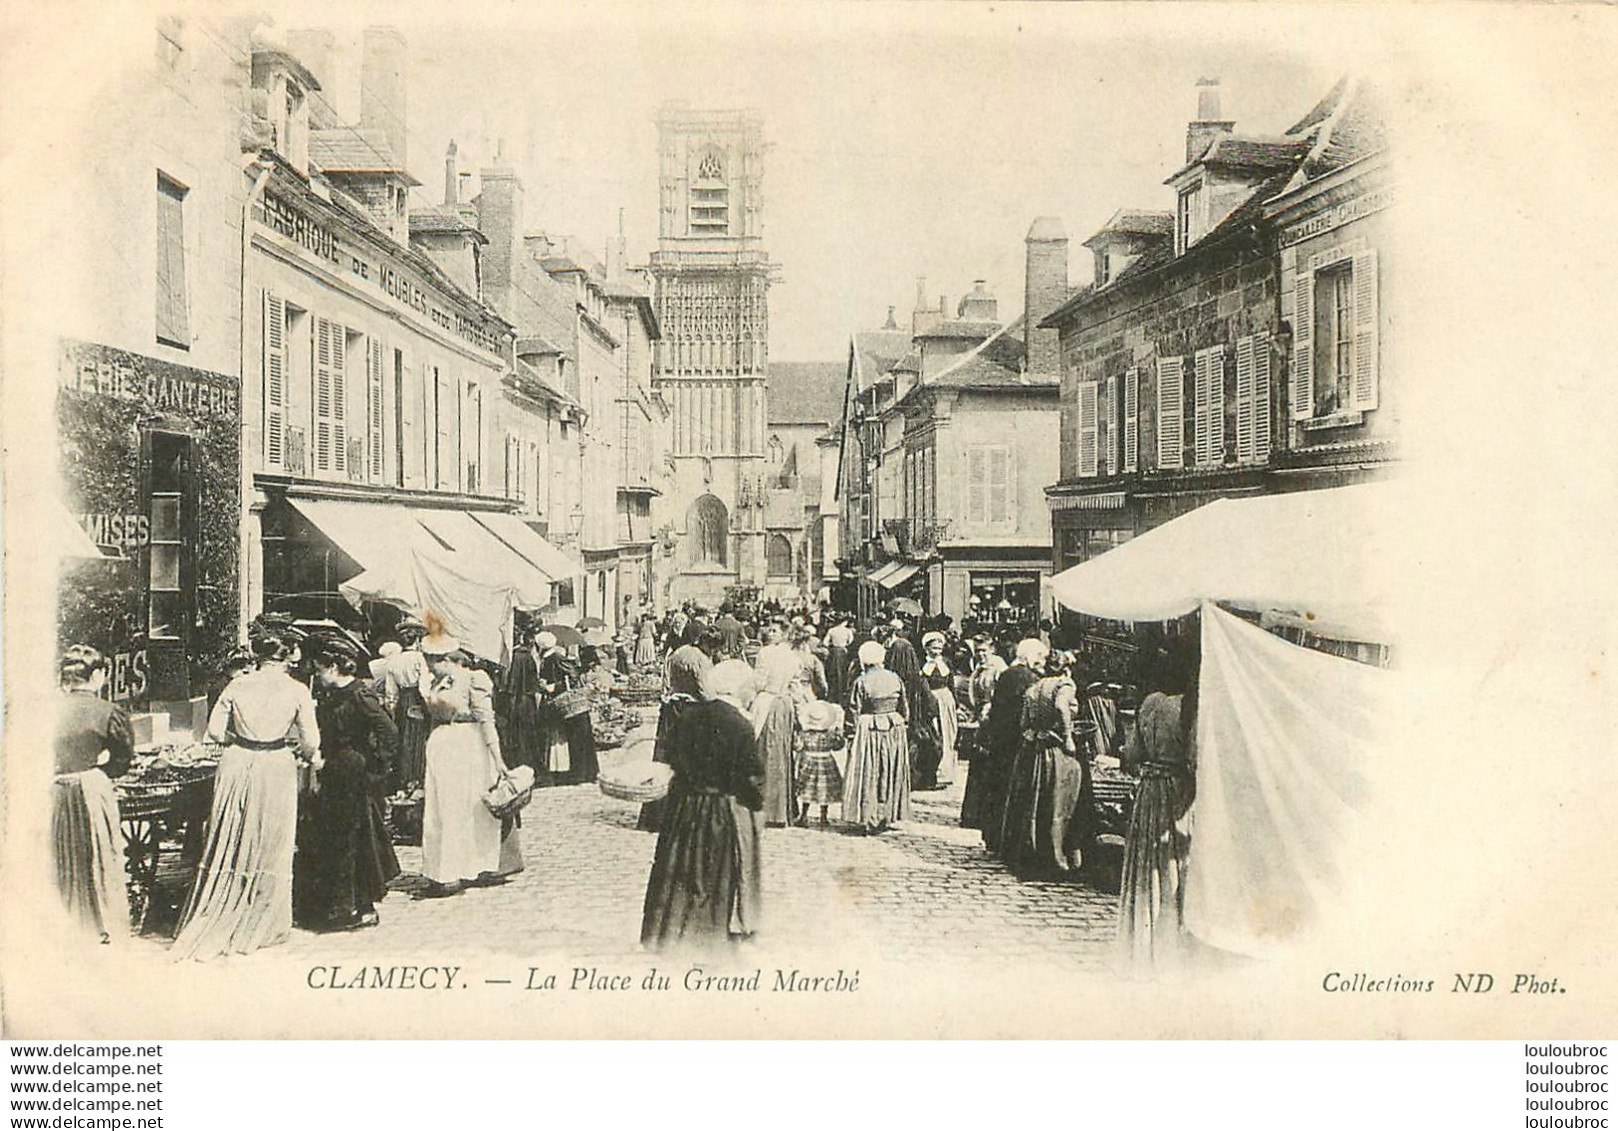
<point>571,703</point>
<point>653,786</point>
<point>637,696</point>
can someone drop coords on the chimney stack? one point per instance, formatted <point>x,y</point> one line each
<point>890,324</point>
<point>452,180</point>
<point>1208,126</point>
<point>382,88</point>
<point>1044,289</point>
<point>499,208</point>
<point>979,305</point>
<point>923,317</point>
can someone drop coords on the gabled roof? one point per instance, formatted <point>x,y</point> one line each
<point>806,392</point>
<point>537,346</point>
<point>960,328</point>
<point>1258,154</point>
<point>347,149</point>
<point>878,350</point>
<point>996,363</point>
<point>1134,222</point>
<point>909,363</point>
<point>443,218</point>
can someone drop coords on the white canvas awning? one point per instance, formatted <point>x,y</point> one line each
<point>522,538</point>
<point>1321,555</point>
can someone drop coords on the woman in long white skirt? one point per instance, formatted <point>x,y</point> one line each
<point>460,838</point>
<point>940,679</point>
<point>876,786</point>
<point>242,899</point>
<point>94,743</point>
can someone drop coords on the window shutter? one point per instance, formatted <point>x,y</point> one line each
<point>1210,407</point>
<point>1365,331</point>
<point>1170,419</point>
<point>1303,347</point>
<point>1244,400</point>
<point>1009,464</point>
<point>1199,409</point>
<point>1132,419</point>
<point>1110,418</point>
<point>1261,398</point>
<point>1087,428</point>
<point>374,407</point>
<point>323,395</point>
<point>976,485</point>
<point>339,397</point>
<point>275,381</point>
<point>999,477</point>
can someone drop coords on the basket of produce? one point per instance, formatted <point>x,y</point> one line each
<point>640,689</point>
<point>405,812</point>
<point>156,782</point>
<point>638,782</point>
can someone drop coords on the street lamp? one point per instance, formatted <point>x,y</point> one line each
<point>575,520</point>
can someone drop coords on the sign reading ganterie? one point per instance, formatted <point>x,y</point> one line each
<point>103,371</point>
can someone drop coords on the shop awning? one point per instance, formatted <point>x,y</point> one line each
<point>904,572</point>
<point>69,537</point>
<point>523,539</point>
<point>1323,555</point>
<point>370,533</point>
<point>881,571</point>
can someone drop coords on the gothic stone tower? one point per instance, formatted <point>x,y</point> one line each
<point>712,277</point>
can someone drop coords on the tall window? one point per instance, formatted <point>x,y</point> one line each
<point>710,523</point>
<point>710,196</point>
<point>778,556</point>
<point>1335,333</point>
<point>173,308</point>
<point>990,485</point>
<point>1187,218</point>
<point>167,571</point>
<point>1334,383</point>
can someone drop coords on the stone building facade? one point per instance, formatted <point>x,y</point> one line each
<point>1190,365</point>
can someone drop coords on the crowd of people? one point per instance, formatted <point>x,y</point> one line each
<point>768,717</point>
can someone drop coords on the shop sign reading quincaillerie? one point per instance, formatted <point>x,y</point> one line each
<point>308,233</point>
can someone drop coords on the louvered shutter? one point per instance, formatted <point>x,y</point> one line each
<point>1261,398</point>
<point>1109,418</point>
<point>1365,331</point>
<point>1008,465</point>
<point>1199,409</point>
<point>1211,406</point>
<point>275,381</point>
<point>1087,428</point>
<point>1303,347</point>
<point>339,397</point>
<point>323,395</point>
<point>374,414</point>
<point>1132,419</point>
<point>976,484</point>
<point>1170,418</point>
<point>1244,400</point>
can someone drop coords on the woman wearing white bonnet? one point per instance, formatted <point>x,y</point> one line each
<point>876,786</point>
<point>940,679</point>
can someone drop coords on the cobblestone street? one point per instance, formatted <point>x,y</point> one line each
<point>925,890</point>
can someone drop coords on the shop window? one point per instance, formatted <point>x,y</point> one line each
<point>1002,601</point>
<point>778,556</point>
<point>168,570</point>
<point>173,304</point>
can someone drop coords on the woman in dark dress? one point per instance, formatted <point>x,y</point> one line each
<point>685,683</point>
<point>349,859</point>
<point>87,840</point>
<point>558,673</point>
<point>705,888</point>
<point>999,739</point>
<point>1049,823</point>
<point>526,738</point>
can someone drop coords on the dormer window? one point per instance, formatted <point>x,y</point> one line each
<point>1103,266</point>
<point>292,125</point>
<point>1188,218</point>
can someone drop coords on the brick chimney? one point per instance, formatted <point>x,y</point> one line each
<point>924,317</point>
<point>979,305</point>
<point>1044,288</point>
<point>452,180</point>
<point>1208,125</point>
<point>890,324</point>
<point>382,87</point>
<point>500,205</point>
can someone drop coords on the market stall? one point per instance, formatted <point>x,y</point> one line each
<point>163,804</point>
<point>1286,736</point>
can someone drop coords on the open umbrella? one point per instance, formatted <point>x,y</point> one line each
<point>566,636</point>
<point>909,606</point>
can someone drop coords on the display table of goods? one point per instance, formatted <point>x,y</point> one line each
<point>640,688</point>
<point>612,721</point>
<point>163,806</point>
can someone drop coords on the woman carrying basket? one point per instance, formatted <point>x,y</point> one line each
<point>461,839</point>
<point>558,677</point>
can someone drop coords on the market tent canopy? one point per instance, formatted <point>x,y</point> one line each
<point>522,538</point>
<point>476,606</point>
<point>370,533</point>
<point>1322,555</point>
